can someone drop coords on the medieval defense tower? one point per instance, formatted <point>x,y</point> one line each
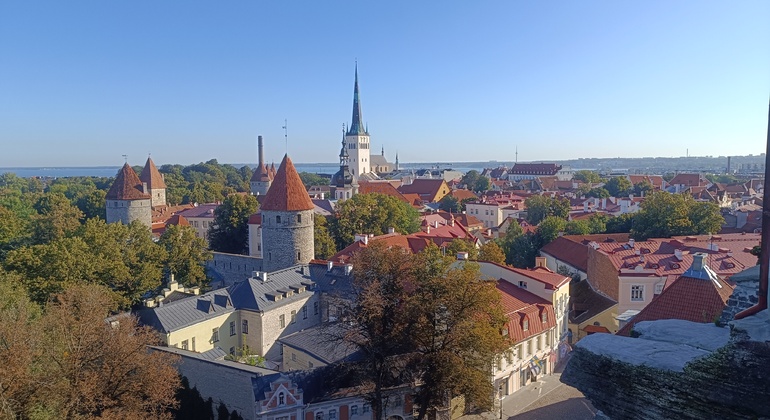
<point>155,184</point>
<point>260,181</point>
<point>357,138</point>
<point>129,199</point>
<point>287,221</point>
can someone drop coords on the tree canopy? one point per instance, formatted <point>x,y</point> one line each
<point>187,255</point>
<point>663,215</point>
<point>229,232</point>
<point>539,207</point>
<point>372,213</point>
<point>619,186</point>
<point>589,177</point>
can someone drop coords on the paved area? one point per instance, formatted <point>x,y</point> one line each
<point>545,399</point>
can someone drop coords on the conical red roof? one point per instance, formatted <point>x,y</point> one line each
<point>287,192</point>
<point>151,176</point>
<point>261,174</point>
<point>127,186</point>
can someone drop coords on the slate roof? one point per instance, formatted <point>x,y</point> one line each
<point>152,176</point>
<point>201,210</point>
<point>287,192</point>
<point>250,294</point>
<point>519,304</point>
<point>320,342</point>
<point>127,186</point>
<point>585,303</point>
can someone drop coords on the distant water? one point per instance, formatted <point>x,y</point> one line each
<point>110,171</point>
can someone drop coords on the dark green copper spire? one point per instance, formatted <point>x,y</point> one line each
<point>356,126</point>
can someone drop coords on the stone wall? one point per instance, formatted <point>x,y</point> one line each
<point>744,295</point>
<point>227,269</point>
<point>126,211</point>
<point>602,274</point>
<point>288,242</point>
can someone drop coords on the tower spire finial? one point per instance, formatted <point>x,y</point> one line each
<point>356,125</point>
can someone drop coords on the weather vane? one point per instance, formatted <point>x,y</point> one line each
<point>125,158</point>
<point>286,134</point>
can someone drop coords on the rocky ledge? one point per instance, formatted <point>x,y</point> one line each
<point>677,370</point>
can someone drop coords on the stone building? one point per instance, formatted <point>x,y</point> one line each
<point>129,199</point>
<point>344,184</point>
<point>357,138</point>
<point>263,177</point>
<point>287,221</point>
<point>155,184</point>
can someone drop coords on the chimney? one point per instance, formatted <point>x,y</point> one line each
<point>260,151</point>
<point>462,255</point>
<point>194,290</point>
<point>540,262</point>
<point>391,230</point>
<point>329,266</point>
<point>427,229</point>
<point>435,224</point>
<point>451,220</point>
<point>149,303</point>
<point>698,261</point>
<point>348,269</point>
<point>631,243</point>
<point>144,188</point>
<point>678,254</point>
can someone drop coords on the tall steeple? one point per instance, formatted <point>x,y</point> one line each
<point>356,126</point>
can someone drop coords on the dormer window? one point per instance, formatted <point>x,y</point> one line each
<point>525,325</point>
<point>545,316</point>
<point>281,399</point>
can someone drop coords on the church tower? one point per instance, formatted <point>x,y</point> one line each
<point>287,221</point>
<point>260,181</point>
<point>357,138</point>
<point>155,184</point>
<point>343,183</point>
<point>128,199</point>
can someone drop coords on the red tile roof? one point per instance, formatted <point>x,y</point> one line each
<point>127,186</point>
<point>689,299</point>
<point>543,275</point>
<point>427,189</point>
<point>463,195</point>
<point>151,176</point>
<point>535,169</point>
<point>571,252</point>
<point>385,188</point>
<point>287,193</point>
<point>690,180</point>
<point>518,305</point>
<point>410,243</point>
<point>595,329</point>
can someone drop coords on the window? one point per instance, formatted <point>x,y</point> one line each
<point>659,288</point>
<point>332,414</point>
<point>398,400</point>
<point>315,308</point>
<point>293,316</point>
<point>281,398</point>
<point>519,353</point>
<point>319,416</point>
<point>365,409</point>
<point>522,284</point>
<point>637,293</point>
<point>545,316</point>
<point>525,325</point>
<point>354,410</point>
<point>293,357</point>
<point>299,218</point>
<point>310,365</point>
<point>215,335</point>
<point>299,256</point>
<point>193,344</point>
<point>277,219</point>
<point>184,345</point>
<point>232,328</point>
<point>282,321</point>
<point>539,343</point>
<point>232,351</point>
<point>245,326</point>
<point>281,349</point>
<point>304,312</point>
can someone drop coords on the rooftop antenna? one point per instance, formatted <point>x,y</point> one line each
<point>517,155</point>
<point>125,158</point>
<point>286,134</point>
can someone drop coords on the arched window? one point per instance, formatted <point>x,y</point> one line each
<point>299,218</point>
<point>281,399</point>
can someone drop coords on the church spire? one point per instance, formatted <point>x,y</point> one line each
<point>356,126</point>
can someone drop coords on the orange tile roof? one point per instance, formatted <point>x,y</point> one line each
<point>151,176</point>
<point>518,305</point>
<point>127,186</point>
<point>463,195</point>
<point>689,299</point>
<point>412,244</point>
<point>543,275</point>
<point>385,188</point>
<point>427,189</point>
<point>572,253</point>
<point>287,193</point>
<point>261,174</point>
<point>689,180</point>
<point>595,329</point>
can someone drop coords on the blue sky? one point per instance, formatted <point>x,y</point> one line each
<point>84,82</point>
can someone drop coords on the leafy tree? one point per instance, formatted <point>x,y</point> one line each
<point>313,179</point>
<point>505,242</point>
<point>491,252</point>
<point>13,231</point>
<point>323,242</point>
<point>482,184</point>
<point>56,218</point>
<point>550,228</point>
<point>577,227</point>
<point>722,178</point>
<point>643,189</point>
<point>598,192</point>
<point>620,224</point>
<point>191,405</point>
<point>92,204</point>
<point>372,213</point>
<point>619,186</point>
<point>462,245</point>
<point>470,178</point>
<point>523,250</point>
<point>663,215</point>
<point>597,223</point>
<point>589,177</point>
<point>539,207</point>
<point>187,254</point>
<point>451,204</point>
<point>230,230</point>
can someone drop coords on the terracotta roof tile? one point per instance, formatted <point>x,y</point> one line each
<point>261,174</point>
<point>287,193</point>
<point>152,176</point>
<point>463,195</point>
<point>127,186</point>
<point>572,253</point>
<point>385,188</point>
<point>518,305</point>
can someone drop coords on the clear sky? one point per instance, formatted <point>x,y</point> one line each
<point>84,82</point>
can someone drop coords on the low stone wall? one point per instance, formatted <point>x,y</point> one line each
<point>228,269</point>
<point>744,295</point>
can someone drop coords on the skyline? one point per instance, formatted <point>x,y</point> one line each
<point>89,82</point>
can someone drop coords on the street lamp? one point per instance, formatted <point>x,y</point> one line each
<point>500,395</point>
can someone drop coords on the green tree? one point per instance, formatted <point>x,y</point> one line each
<point>482,184</point>
<point>323,242</point>
<point>663,215</point>
<point>451,204</point>
<point>463,245</point>
<point>491,252</point>
<point>372,213</point>
<point>577,227</point>
<point>550,228</point>
<point>619,186</point>
<point>597,223</point>
<point>187,255</point>
<point>310,179</point>
<point>643,189</point>
<point>470,178</point>
<point>539,207</point>
<point>598,192</point>
<point>523,250</point>
<point>230,230</point>
<point>57,217</point>
<point>620,224</point>
<point>589,177</point>
<point>506,242</point>
<point>13,231</point>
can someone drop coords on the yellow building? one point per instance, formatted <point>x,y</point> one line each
<point>590,312</point>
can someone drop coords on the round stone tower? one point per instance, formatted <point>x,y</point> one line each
<point>155,184</point>
<point>287,221</point>
<point>128,199</point>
